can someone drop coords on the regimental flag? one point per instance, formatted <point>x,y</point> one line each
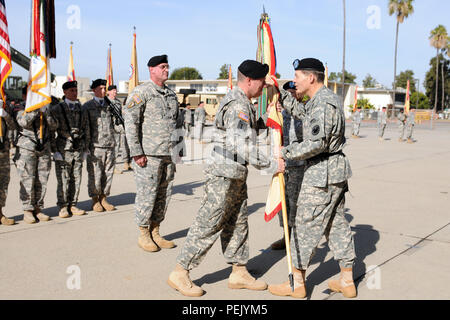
<point>5,49</point>
<point>356,99</point>
<point>266,54</point>
<point>326,76</point>
<point>42,48</point>
<point>273,203</point>
<point>109,69</point>
<point>407,99</point>
<point>133,73</point>
<point>71,69</point>
<point>230,79</point>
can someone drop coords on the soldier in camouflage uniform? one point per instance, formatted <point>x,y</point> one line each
<point>7,125</point>
<point>200,117</point>
<point>224,206</point>
<point>33,160</point>
<point>410,121</point>
<point>101,158</point>
<point>293,176</point>
<point>150,116</point>
<point>71,147</point>
<point>122,151</point>
<point>322,196</point>
<point>356,122</point>
<point>382,121</point>
<point>402,124</point>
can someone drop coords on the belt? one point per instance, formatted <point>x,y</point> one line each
<point>325,155</point>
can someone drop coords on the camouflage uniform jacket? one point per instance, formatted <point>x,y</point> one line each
<point>188,116</point>
<point>8,125</point>
<point>100,129</point>
<point>356,117</point>
<point>323,138</point>
<point>292,132</point>
<point>382,117</point>
<point>150,116</point>
<point>234,138</point>
<point>401,117</point>
<point>411,118</point>
<point>200,115</point>
<point>29,129</point>
<point>72,127</point>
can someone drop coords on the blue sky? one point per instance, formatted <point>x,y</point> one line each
<point>207,34</point>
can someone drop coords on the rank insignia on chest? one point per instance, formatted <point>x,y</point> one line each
<point>243,116</point>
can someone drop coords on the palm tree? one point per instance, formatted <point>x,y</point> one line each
<point>402,9</point>
<point>438,39</point>
<point>343,60</point>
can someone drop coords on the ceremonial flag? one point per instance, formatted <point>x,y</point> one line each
<point>109,69</point>
<point>42,48</point>
<point>230,79</point>
<point>71,70</point>
<point>326,76</point>
<point>407,99</point>
<point>134,79</point>
<point>356,99</point>
<point>5,49</point>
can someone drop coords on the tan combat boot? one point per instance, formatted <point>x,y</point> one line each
<point>77,211</point>
<point>41,216</point>
<point>410,140</point>
<point>96,206</point>
<point>63,213</point>
<point>241,279</point>
<point>179,280</point>
<point>28,216</point>
<point>400,140</point>
<point>284,289</point>
<point>4,220</point>
<point>345,283</point>
<point>160,241</point>
<point>145,241</point>
<point>105,204</point>
<point>117,171</point>
<point>126,166</point>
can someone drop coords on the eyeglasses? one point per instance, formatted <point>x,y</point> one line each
<point>164,66</point>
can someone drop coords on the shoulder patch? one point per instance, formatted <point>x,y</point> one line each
<point>243,116</point>
<point>137,99</point>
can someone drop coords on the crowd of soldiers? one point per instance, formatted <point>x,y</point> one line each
<point>406,123</point>
<point>144,131</point>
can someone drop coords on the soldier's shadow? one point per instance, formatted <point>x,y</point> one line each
<point>187,188</point>
<point>365,240</point>
<point>116,200</point>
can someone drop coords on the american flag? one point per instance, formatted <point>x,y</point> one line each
<point>5,50</point>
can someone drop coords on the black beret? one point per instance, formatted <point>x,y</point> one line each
<point>98,82</point>
<point>253,69</point>
<point>309,64</point>
<point>154,61</point>
<point>69,84</point>
<point>112,87</point>
<point>289,85</point>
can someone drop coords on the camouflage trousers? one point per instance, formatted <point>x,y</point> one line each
<point>122,149</point>
<point>5,169</point>
<point>68,175</point>
<point>293,177</point>
<point>321,212</point>
<point>401,128</point>
<point>153,189</point>
<point>199,131</point>
<point>100,168</point>
<point>223,212</point>
<point>409,131</point>
<point>381,128</point>
<point>33,168</point>
<point>355,128</point>
<point>189,128</point>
